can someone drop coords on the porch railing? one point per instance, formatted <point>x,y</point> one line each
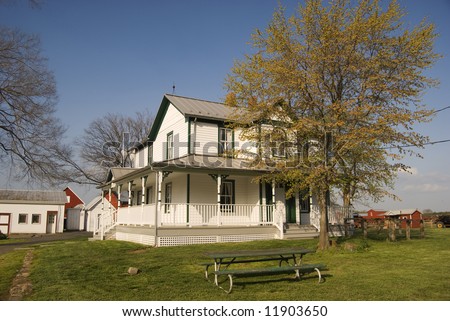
<point>105,222</point>
<point>137,215</point>
<point>214,214</point>
<point>336,215</point>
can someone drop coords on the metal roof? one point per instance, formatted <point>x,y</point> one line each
<point>210,162</point>
<point>32,197</point>
<point>408,211</point>
<point>93,203</point>
<point>200,108</point>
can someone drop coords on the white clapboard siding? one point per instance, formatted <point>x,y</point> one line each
<point>203,189</point>
<point>174,122</point>
<point>246,191</point>
<point>206,138</point>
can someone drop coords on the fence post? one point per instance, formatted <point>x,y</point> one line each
<point>422,230</point>
<point>408,230</point>
<point>379,225</point>
<point>391,227</point>
<point>364,227</point>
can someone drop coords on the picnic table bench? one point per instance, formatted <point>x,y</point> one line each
<point>252,256</point>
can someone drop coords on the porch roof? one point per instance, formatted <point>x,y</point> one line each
<point>211,163</point>
<point>192,164</point>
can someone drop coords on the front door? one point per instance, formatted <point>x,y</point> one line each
<point>290,210</point>
<point>51,222</point>
<point>305,208</point>
<point>5,223</point>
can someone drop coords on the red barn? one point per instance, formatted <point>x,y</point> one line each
<point>72,199</point>
<point>373,214</point>
<point>409,214</point>
<point>73,219</point>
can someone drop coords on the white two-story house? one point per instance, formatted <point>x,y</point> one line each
<point>190,184</point>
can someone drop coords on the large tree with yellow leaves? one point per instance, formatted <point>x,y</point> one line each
<point>344,81</point>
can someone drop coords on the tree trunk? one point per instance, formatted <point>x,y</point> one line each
<point>323,236</point>
<point>346,197</point>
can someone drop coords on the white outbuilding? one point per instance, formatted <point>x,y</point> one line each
<point>31,211</point>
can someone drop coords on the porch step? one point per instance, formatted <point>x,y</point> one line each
<point>296,231</point>
<point>110,235</point>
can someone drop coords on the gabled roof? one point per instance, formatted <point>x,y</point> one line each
<point>200,108</point>
<point>96,200</point>
<point>117,172</point>
<point>33,197</point>
<point>190,107</point>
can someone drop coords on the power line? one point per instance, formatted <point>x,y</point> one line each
<point>442,109</point>
<point>429,143</point>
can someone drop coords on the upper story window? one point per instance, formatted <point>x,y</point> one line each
<point>225,141</point>
<point>170,146</point>
<point>275,144</point>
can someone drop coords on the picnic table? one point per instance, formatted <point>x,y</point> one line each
<point>291,256</point>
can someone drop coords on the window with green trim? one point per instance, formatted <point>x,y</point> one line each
<point>167,197</point>
<point>225,141</point>
<point>227,195</point>
<point>169,146</point>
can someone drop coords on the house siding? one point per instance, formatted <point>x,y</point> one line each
<point>174,122</point>
<point>206,137</point>
<point>140,158</point>
<point>203,189</point>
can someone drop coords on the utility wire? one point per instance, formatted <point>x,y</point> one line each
<point>429,143</point>
<point>442,109</point>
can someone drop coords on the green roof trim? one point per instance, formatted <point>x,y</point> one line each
<point>159,119</point>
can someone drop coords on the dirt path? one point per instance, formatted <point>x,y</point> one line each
<point>21,285</point>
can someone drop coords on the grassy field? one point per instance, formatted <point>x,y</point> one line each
<point>10,264</point>
<point>373,270</point>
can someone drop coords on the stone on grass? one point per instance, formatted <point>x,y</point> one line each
<point>133,271</point>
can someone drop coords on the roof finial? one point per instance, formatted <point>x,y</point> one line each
<point>173,89</point>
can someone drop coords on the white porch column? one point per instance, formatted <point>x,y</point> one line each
<point>273,195</point>
<point>102,195</point>
<point>129,193</point>
<point>129,197</point>
<point>109,199</point>
<point>159,178</point>
<point>143,181</point>
<point>119,191</point>
<point>219,184</point>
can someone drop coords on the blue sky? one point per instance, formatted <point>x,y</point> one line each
<point>123,56</point>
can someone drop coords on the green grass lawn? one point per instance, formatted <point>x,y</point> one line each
<point>375,270</point>
<point>10,264</point>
